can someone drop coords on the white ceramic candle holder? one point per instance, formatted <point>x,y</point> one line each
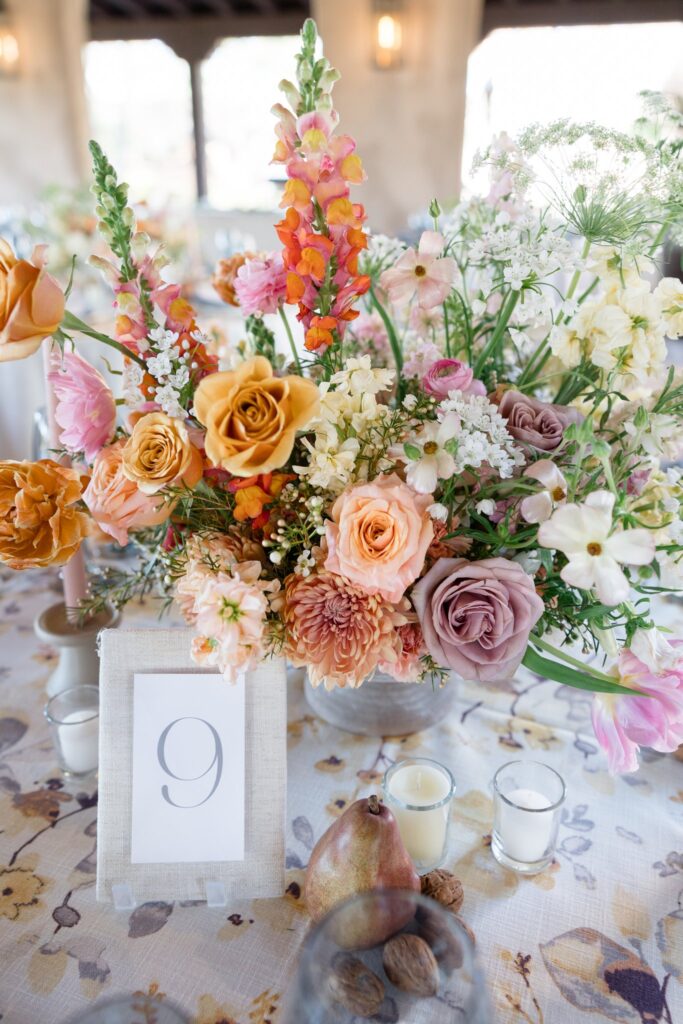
<point>74,719</point>
<point>527,797</point>
<point>78,663</point>
<point>419,791</point>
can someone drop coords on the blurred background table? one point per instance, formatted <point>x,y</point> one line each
<point>600,932</point>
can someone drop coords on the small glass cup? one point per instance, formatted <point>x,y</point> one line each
<point>527,798</point>
<point>419,791</point>
<point>351,941</point>
<point>74,718</point>
<point>135,1009</point>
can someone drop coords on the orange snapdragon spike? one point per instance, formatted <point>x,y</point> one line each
<point>249,503</point>
<point>312,264</point>
<point>341,211</point>
<point>295,287</point>
<point>352,168</point>
<point>181,310</point>
<point>320,332</point>
<point>296,194</point>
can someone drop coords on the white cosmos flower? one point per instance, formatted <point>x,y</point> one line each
<point>434,462</point>
<point>595,553</point>
<point>539,507</point>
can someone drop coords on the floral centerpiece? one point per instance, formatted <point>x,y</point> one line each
<point>460,466</point>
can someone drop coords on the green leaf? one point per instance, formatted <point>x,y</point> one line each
<point>412,451</point>
<point>535,662</point>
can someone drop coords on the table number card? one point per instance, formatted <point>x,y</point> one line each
<point>192,777</point>
<point>188,769</point>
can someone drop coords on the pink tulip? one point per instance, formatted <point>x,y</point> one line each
<point>86,409</point>
<point>623,724</point>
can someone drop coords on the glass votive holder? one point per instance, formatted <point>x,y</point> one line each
<point>74,718</point>
<point>418,791</point>
<point>527,797</point>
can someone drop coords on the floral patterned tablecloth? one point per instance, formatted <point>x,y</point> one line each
<point>599,936</point>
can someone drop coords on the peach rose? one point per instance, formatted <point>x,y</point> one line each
<point>159,453</point>
<point>116,503</point>
<point>379,536</point>
<point>31,303</point>
<point>251,417</point>
<point>40,522</point>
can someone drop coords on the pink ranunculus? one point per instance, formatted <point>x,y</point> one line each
<point>476,616</point>
<point>623,724</point>
<point>261,285</point>
<point>446,375</point>
<point>115,502</point>
<point>379,535</point>
<point>407,667</point>
<point>86,409</point>
<point>425,273</point>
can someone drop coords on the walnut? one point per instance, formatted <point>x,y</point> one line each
<point>446,947</point>
<point>355,986</point>
<point>445,888</point>
<point>410,965</point>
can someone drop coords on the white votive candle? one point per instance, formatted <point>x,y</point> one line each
<point>528,796</point>
<point>79,741</point>
<point>73,715</point>
<point>526,837</point>
<point>419,793</point>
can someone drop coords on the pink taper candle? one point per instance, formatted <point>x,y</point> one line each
<point>73,573</point>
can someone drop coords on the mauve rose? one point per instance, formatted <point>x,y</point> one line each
<point>447,375</point>
<point>537,423</point>
<point>476,616</point>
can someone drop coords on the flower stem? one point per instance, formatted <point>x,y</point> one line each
<point>73,323</point>
<point>393,339</point>
<point>545,646</point>
<point>292,345</point>
<point>492,344</point>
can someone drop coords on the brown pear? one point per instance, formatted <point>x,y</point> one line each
<point>361,852</point>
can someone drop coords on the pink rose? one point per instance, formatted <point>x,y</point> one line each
<point>476,616</point>
<point>380,535</point>
<point>115,502</point>
<point>447,375</point>
<point>536,423</point>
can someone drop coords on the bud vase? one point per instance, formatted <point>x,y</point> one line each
<point>78,659</point>
<point>382,706</point>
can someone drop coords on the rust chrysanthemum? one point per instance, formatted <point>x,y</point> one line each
<point>339,632</point>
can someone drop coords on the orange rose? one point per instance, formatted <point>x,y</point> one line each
<point>251,417</point>
<point>158,453</point>
<point>40,523</point>
<point>31,303</point>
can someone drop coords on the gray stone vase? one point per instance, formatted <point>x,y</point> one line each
<point>382,706</point>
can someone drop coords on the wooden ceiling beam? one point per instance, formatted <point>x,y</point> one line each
<point>520,14</point>
<point>193,38</point>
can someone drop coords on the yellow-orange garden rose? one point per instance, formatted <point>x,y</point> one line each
<point>251,417</point>
<point>159,453</point>
<point>40,522</point>
<point>31,303</point>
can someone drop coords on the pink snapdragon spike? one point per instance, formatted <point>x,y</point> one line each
<point>86,408</point>
<point>446,375</point>
<point>424,273</point>
<point>261,285</point>
<point>623,724</point>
